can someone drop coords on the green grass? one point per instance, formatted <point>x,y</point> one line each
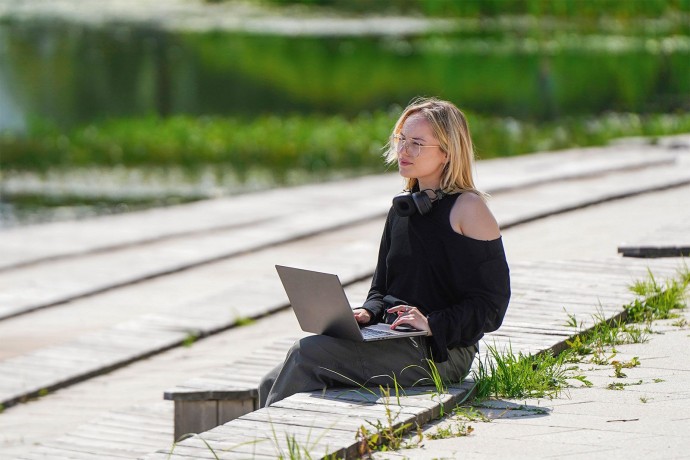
<point>190,339</point>
<point>656,300</point>
<point>386,435</point>
<point>457,430</point>
<point>317,145</point>
<point>570,9</point>
<point>434,378</point>
<point>621,386</point>
<point>510,375</point>
<point>601,339</point>
<point>242,321</point>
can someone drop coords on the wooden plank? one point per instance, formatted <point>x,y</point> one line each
<point>342,407</point>
<point>651,251</point>
<point>667,241</point>
<point>162,429</point>
<point>59,453</point>
<point>270,438</point>
<point>194,417</point>
<point>105,431</point>
<point>230,410</point>
<point>198,394</point>
<point>305,419</point>
<point>183,451</point>
<point>128,418</point>
<point>81,451</point>
<point>86,443</point>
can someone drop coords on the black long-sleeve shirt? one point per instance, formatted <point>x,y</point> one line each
<point>461,284</point>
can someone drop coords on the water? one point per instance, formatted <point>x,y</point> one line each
<point>73,74</point>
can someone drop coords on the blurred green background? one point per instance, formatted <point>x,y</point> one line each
<point>116,116</point>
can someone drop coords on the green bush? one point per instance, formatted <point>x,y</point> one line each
<point>470,8</point>
<point>295,143</point>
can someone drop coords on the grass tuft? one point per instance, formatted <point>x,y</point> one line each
<point>505,374</point>
<point>656,300</point>
<point>387,435</point>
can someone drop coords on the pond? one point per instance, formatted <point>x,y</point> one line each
<point>72,74</point>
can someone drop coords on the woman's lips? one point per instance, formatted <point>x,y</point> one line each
<point>404,163</point>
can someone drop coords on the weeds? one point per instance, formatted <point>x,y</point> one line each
<point>658,300</point>
<point>457,430</point>
<point>187,436</point>
<point>208,446</point>
<point>602,336</point>
<point>572,321</point>
<point>387,435</point>
<point>517,376</point>
<point>296,451</point>
<point>621,386</point>
<point>244,321</point>
<point>190,339</point>
<point>470,413</point>
<point>619,366</point>
<point>681,323</point>
<point>600,341</point>
<point>434,377</point>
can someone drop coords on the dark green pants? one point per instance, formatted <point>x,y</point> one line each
<point>318,361</point>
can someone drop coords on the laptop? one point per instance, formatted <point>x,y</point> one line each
<point>321,306</point>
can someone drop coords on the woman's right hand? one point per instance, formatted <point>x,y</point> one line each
<point>362,315</point>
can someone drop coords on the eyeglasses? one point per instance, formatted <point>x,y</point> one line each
<point>412,147</point>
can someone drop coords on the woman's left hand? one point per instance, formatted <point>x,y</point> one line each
<point>411,316</point>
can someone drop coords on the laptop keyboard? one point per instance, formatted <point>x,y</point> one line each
<point>372,333</point>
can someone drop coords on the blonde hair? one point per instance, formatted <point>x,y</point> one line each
<point>453,134</point>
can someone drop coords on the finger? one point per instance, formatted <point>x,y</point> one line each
<point>408,320</point>
<point>400,309</point>
<point>361,317</point>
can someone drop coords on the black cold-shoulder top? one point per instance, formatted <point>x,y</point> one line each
<point>461,284</point>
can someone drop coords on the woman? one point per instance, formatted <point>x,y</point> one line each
<point>441,268</point>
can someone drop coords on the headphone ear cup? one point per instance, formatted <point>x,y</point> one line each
<point>404,204</point>
<point>422,202</point>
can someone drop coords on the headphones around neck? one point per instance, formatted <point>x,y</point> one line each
<point>408,203</point>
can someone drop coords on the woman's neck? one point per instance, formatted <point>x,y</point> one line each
<point>428,185</point>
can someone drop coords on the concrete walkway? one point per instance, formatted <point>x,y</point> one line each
<point>592,232</point>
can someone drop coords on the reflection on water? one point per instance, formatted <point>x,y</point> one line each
<point>71,74</point>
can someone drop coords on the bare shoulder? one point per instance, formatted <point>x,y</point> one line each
<point>471,217</point>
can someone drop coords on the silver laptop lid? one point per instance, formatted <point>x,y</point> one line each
<point>319,302</point>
